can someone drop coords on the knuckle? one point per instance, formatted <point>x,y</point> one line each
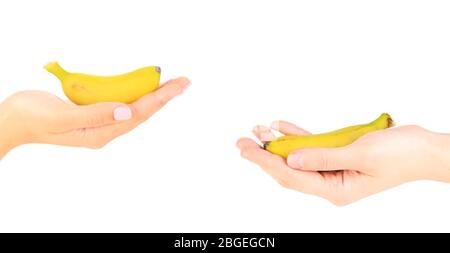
<point>321,161</point>
<point>139,113</point>
<point>160,102</point>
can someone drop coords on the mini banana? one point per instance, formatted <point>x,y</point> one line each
<point>286,144</point>
<point>86,89</point>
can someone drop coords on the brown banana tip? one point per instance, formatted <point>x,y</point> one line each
<point>391,122</point>
<point>265,144</point>
<point>158,69</point>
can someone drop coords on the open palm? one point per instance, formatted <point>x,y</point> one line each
<point>40,117</point>
<point>375,162</point>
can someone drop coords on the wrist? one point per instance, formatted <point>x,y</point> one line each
<point>440,157</point>
<point>6,138</point>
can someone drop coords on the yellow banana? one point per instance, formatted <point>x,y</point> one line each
<point>86,89</point>
<point>286,144</point>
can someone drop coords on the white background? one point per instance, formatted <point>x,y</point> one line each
<point>321,64</point>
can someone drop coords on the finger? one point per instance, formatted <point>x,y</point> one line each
<point>103,114</point>
<point>246,143</point>
<point>305,181</point>
<point>142,109</point>
<point>152,102</point>
<point>288,128</point>
<point>95,115</point>
<point>263,133</point>
<point>326,159</point>
<point>272,164</point>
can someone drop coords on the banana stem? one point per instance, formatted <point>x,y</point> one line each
<point>56,69</point>
<point>384,121</point>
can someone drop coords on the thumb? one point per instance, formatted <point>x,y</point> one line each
<point>96,115</point>
<point>324,159</point>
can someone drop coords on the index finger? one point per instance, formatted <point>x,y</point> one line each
<point>305,181</point>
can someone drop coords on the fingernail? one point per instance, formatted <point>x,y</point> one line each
<point>295,160</point>
<point>261,128</point>
<point>275,125</point>
<point>266,137</point>
<point>122,113</point>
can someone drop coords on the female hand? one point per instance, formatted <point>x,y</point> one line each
<point>40,117</point>
<point>375,162</point>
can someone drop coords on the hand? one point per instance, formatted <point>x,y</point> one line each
<point>40,117</point>
<point>375,162</point>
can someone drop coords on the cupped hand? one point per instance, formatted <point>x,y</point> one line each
<point>375,162</point>
<point>40,117</point>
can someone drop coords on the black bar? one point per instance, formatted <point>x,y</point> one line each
<point>232,242</point>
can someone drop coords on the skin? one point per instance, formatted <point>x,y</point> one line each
<point>40,117</point>
<point>377,161</point>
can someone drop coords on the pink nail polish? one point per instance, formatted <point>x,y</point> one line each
<point>275,125</point>
<point>263,128</point>
<point>122,113</point>
<point>260,128</point>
